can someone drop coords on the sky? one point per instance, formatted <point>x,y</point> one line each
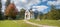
<point>40,5</point>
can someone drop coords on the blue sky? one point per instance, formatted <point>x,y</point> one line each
<point>40,5</point>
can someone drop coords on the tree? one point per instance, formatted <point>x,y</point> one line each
<point>36,14</point>
<point>22,13</point>
<point>40,15</point>
<point>0,10</point>
<point>53,14</point>
<point>11,11</point>
<point>6,5</point>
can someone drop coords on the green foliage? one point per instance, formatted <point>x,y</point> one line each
<point>40,15</point>
<point>22,13</point>
<point>0,10</point>
<point>54,14</point>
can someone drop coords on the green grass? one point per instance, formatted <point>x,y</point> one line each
<point>47,22</point>
<point>11,23</point>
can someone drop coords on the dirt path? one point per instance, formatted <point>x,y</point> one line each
<point>38,24</point>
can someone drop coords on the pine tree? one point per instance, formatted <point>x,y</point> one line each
<point>22,13</point>
<point>0,10</point>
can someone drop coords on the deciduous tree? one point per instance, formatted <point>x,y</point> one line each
<point>11,11</point>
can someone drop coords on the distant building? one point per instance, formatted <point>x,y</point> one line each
<point>29,14</point>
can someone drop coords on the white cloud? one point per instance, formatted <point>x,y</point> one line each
<point>44,0</point>
<point>22,3</point>
<point>26,3</point>
<point>3,5</point>
<point>4,0</point>
<point>54,2</point>
<point>3,8</point>
<point>33,9</point>
<point>40,8</point>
